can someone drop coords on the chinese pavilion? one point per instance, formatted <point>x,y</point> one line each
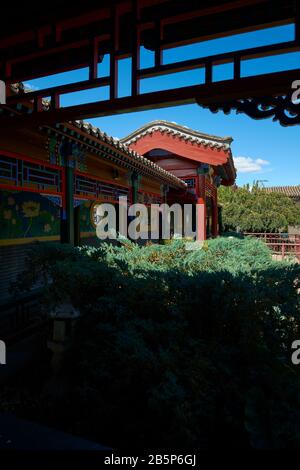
<point>51,178</point>
<point>201,160</point>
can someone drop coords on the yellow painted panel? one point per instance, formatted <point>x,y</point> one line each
<point>102,169</point>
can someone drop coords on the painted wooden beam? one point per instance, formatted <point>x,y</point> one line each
<point>180,147</point>
<point>265,85</point>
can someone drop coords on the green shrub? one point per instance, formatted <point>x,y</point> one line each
<point>176,348</point>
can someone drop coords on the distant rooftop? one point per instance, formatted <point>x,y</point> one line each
<point>290,191</point>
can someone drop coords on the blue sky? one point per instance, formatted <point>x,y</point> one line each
<point>263,150</point>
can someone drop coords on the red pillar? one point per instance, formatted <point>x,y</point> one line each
<point>200,219</point>
<point>201,210</point>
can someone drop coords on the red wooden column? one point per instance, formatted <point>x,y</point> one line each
<point>200,219</point>
<point>201,210</point>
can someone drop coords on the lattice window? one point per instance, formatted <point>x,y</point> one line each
<point>96,189</point>
<point>20,173</point>
<point>189,49</point>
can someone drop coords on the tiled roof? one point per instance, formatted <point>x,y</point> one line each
<point>185,133</point>
<point>154,169</point>
<point>144,165</point>
<point>188,135</point>
<point>290,191</point>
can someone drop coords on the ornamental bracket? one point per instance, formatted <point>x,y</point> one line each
<point>280,108</point>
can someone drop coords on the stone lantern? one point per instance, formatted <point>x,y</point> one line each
<point>64,317</point>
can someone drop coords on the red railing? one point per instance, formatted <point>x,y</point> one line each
<point>282,244</point>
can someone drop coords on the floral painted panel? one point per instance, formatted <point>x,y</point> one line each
<point>27,215</point>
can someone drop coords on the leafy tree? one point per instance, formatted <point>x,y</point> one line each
<point>256,210</point>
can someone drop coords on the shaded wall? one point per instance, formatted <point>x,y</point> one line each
<point>25,217</point>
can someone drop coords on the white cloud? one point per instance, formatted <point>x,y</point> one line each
<point>30,86</point>
<point>250,165</point>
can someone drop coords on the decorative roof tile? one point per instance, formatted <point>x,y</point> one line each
<point>290,191</point>
<point>183,132</point>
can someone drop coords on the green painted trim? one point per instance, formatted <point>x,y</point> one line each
<point>67,223</point>
<point>135,187</point>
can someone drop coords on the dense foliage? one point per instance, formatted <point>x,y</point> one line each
<point>256,210</point>
<point>175,348</point>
